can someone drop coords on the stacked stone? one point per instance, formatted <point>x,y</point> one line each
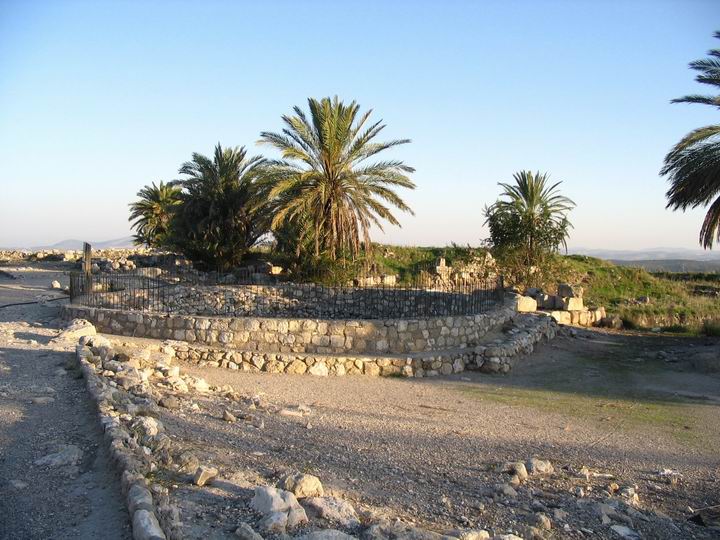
<point>566,307</point>
<point>281,335</point>
<point>526,331</point>
<point>443,363</point>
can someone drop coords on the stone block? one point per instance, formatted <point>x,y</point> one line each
<point>561,317</point>
<point>526,304</point>
<point>572,303</point>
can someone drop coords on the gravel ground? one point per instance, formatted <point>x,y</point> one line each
<point>426,450</point>
<point>44,411</point>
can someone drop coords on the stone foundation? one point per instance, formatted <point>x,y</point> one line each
<point>496,356</point>
<point>291,335</point>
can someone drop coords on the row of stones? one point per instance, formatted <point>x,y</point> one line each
<point>520,339</point>
<point>425,366</point>
<point>127,458</point>
<point>392,336</point>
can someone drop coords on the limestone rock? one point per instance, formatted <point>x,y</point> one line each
<point>625,532</point>
<point>539,466</point>
<point>526,304</point>
<point>246,532</point>
<point>303,485</point>
<point>399,531</point>
<point>572,304</point>
<point>170,402</point>
<point>506,490</point>
<point>77,329</point>
<point>67,454</point>
<point>327,534</point>
<point>204,475</point>
<point>517,468</point>
<point>319,369</point>
<point>280,508</point>
<point>146,527</point>
<point>333,509</point>
<point>188,462</point>
<point>541,521</point>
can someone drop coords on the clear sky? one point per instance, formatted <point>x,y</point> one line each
<point>99,98</point>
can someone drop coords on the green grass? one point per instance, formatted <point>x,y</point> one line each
<point>711,328</point>
<point>609,400</point>
<point>408,261</point>
<point>673,304</point>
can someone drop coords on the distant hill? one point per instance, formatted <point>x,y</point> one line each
<point>73,244</point>
<point>671,265</point>
<point>124,242</point>
<point>650,254</point>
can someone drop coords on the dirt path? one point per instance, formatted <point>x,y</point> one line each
<point>45,412</point>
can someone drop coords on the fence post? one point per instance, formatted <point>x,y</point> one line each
<point>87,267</point>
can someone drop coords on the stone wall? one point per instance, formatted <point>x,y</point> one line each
<point>301,335</point>
<point>493,356</point>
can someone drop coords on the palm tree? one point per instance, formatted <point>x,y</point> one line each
<point>152,212</point>
<point>693,165</point>
<point>530,214</point>
<point>222,212</point>
<point>324,184</point>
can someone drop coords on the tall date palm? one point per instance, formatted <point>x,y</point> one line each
<point>693,165</point>
<point>223,211</point>
<point>151,213</point>
<point>529,216</point>
<point>325,185</point>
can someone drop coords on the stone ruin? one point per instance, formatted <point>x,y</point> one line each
<point>566,306</point>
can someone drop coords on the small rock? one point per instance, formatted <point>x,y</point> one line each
<point>170,402</point>
<point>77,329</point>
<point>55,285</point>
<point>42,400</point>
<point>303,485</point>
<point>327,534</point>
<point>18,484</point>
<point>204,475</point>
<point>471,534</point>
<point>539,466</point>
<point>333,509</point>
<point>246,532</point>
<point>517,468</point>
<point>228,416</point>
<point>625,532</point>
<point>68,454</point>
<point>281,509</point>
<point>188,462</point>
<point>505,489</point>
<point>541,521</point>
<point>145,526</point>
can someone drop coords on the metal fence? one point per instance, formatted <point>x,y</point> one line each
<point>188,292</point>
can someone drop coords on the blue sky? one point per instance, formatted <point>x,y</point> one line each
<point>99,98</point>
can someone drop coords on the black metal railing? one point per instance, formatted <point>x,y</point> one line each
<point>188,292</point>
